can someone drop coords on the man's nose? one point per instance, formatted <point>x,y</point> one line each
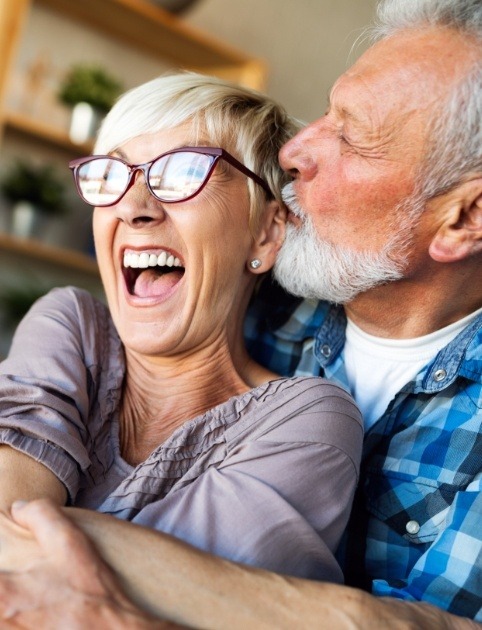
<point>296,158</point>
<point>138,207</point>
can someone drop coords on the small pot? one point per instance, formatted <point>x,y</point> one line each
<point>84,123</point>
<point>27,220</point>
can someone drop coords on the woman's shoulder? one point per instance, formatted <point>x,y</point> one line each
<point>73,300</point>
<point>311,392</point>
<point>74,315</point>
<point>299,408</point>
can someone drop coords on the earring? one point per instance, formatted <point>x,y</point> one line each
<point>255,263</point>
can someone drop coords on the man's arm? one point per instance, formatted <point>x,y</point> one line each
<point>174,581</point>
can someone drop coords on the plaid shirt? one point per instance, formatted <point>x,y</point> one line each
<point>416,528</point>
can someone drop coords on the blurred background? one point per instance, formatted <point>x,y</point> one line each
<point>63,62</point>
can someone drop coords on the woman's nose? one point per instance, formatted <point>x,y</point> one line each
<point>296,157</point>
<point>138,207</point>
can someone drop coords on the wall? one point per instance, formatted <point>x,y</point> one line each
<point>306,43</point>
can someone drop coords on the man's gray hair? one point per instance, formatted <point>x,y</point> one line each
<point>455,149</point>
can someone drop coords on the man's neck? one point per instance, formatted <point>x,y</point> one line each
<point>403,310</point>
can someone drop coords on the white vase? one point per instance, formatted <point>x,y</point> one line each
<point>27,221</point>
<point>84,122</point>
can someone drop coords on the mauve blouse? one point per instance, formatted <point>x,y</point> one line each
<point>266,478</point>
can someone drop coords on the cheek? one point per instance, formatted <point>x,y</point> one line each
<point>103,227</point>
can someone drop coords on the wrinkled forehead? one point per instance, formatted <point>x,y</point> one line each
<point>411,71</point>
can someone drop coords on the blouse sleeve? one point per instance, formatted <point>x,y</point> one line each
<point>281,498</point>
<point>45,384</point>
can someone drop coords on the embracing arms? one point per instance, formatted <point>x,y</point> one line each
<point>177,582</point>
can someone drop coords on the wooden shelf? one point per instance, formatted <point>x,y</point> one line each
<point>44,132</point>
<point>147,27</point>
<point>65,258</point>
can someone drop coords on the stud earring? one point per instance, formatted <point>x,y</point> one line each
<point>255,263</point>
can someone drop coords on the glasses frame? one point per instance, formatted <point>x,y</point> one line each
<point>214,152</point>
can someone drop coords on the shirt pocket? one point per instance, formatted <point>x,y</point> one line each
<point>414,507</point>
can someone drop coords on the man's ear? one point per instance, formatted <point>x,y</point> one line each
<point>270,237</point>
<point>460,235</point>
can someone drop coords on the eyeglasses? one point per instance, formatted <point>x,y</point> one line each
<point>178,175</point>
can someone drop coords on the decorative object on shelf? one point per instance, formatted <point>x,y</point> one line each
<point>36,193</point>
<point>175,6</point>
<point>90,91</point>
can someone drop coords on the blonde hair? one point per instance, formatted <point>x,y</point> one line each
<point>245,122</point>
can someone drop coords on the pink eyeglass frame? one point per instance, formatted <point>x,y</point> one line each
<point>215,152</point>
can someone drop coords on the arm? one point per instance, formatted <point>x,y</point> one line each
<point>176,581</point>
<point>21,477</point>
<point>47,384</point>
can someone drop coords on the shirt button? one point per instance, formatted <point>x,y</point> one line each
<point>325,350</point>
<point>439,375</point>
<point>412,527</point>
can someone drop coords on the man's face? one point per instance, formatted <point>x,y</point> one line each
<point>355,168</point>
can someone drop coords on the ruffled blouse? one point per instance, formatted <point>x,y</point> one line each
<point>265,478</point>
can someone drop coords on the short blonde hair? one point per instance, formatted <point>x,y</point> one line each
<point>245,122</point>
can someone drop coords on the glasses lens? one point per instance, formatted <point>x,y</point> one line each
<point>102,181</point>
<point>180,175</point>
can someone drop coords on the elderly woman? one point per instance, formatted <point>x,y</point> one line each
<point>151,410</point>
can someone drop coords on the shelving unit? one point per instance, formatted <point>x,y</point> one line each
<point>139,26</point>
<point>40,252</point>
<point>41,131</point>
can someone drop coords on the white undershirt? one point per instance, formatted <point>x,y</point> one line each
<point>377,368</point>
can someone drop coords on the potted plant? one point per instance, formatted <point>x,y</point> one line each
<point>35,192</point>
<point>90,91</point>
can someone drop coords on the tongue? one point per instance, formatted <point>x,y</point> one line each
<point>152,284</point>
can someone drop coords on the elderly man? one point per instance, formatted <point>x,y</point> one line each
<point>386,219</point>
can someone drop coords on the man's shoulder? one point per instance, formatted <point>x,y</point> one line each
<point>274,310</point>
<point>277,324</point>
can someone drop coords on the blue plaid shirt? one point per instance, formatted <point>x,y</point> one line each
<point>416,527</point>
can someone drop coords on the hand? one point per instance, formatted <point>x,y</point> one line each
<point>56,579</point>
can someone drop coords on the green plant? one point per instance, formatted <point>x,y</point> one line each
<point>39,185</point>
<point>90,84</point>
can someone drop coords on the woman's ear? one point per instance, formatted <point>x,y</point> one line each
<point>270,237</point>
<point>460,235</point>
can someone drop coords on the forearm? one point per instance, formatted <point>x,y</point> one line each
<point>21,477</point>
<point>175,581</point>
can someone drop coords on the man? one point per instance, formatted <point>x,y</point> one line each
<point>386,206</point>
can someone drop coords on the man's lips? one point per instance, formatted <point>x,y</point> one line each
<point>151,273</point>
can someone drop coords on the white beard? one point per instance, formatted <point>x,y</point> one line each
<point>309,267</point>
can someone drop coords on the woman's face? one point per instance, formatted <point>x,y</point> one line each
<point>166,310</point>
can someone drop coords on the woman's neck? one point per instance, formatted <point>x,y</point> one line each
<point>161,394</point>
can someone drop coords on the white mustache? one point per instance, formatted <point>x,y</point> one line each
<point>289,197</point>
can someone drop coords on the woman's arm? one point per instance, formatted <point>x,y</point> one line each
<point>177,582</point>
<point>21,477</point>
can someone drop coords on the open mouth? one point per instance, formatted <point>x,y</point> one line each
<point>150,274</point>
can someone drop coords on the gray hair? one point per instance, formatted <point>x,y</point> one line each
<point>455,147</point>
<point>245,122</point>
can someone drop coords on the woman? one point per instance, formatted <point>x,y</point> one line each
<point>152,411</point>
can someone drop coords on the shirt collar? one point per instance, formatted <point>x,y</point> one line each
<point>327,323</point>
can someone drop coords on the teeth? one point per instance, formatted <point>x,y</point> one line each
<point>144,260</point>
